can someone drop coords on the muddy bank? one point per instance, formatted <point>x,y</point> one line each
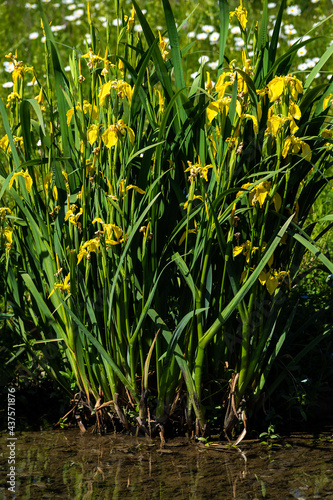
<point>67,464</point>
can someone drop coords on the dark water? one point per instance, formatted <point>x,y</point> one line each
<point>70,465</point>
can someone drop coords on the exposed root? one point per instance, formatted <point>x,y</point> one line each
<point>233,416</point>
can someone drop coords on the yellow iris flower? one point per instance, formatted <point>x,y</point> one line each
<point>274,123</point>
<point>277,86</point>
<point>113,233</point>
<point>163,44</point>
<point>130,20</point>
<point>71,216</point>
<point>88,247</point>
<point>195,197</point>
<point>19,67</point>
<point>241,14</point>
<point>198,169</point>
<point>222,106</point>
<point>114,132</point>
<point>259,194</point>
<point>3,213</point>
<point>93,59</point>
<point>27,179</point>
<point>272,279</point>
<point>64,287</point>
<point>160,100</point>
<point>6,234</point>
<point>222,83</point>
<point>122,88</point>
<point>87,109</point>
<point>295,145</point>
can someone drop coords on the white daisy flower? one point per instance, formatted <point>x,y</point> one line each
<point>310,63</point>
<point>291,32</point>
<point>202,36</point>
<point>292,41</point>
<point>67,68</point>
<point>78,13</point>
<point>302,67</point>
<point>235,30</point>
<point>214,37</point>
<point>194,75</point>
<point>294,10</point>
<point>31,6</point>
<point>207,28</point>
<point>72,6</point>
<point>116,22</point>
<point>213,65</point>
<point>271,5</point>
<point>138,28</point>
<point>9,66</point>
<point>239,42</point>
<point>60,27</point>
<point>203,59</point>
<point>33,35</point>
<point>8,85</point>
<point>302,51</point>
<point>191,34</point>
<point>70,18</point>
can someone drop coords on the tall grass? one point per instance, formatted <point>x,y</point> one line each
<point>152,229</point>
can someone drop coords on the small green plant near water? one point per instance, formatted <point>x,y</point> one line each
<point>270,438</point>
<point>205,441</point>
<point>151,228</point>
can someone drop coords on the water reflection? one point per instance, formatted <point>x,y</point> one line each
<point>67,464</point>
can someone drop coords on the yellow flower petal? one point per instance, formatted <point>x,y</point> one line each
<point>272,284</point>
<point>131,134</point>
<point>275,88</point>
<point>69,115</point>
<point>97,219</point>
<point>237,250</point>
<point>327,101</point>
<point>104,92</point>
<point>212,111</point>
<point>92,134</point>
<point>277,202</point>
<point>136,188</point>
<point>110,136</point>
